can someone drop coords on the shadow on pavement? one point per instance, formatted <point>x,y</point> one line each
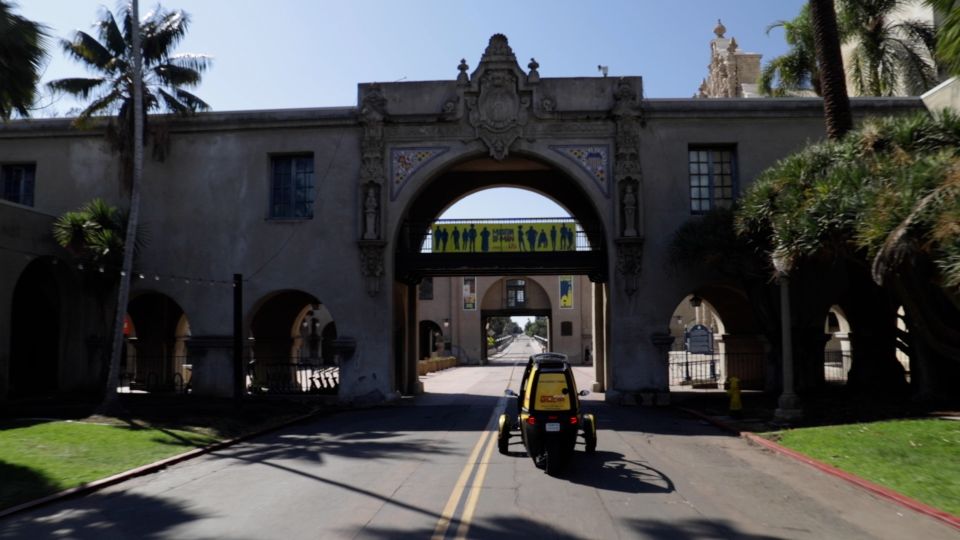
<point>690,529</point>
<point>610,471</point>
<point>496,528</point>
<point>103,516</point>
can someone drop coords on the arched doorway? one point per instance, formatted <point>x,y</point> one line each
<point>291,346</point>
<point>586,255</point>
<point>156,354</point>
<point>36,330</point>
<point>837,353</point>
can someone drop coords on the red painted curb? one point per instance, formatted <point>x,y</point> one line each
<point>881,491</point>
<point>143,470</point>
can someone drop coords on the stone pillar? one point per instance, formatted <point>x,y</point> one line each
<point>599,339</point>
<point>212,361</point>
<point>788,406</point>
<point>411,380</point>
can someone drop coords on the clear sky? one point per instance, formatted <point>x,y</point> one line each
<point>312,53</point>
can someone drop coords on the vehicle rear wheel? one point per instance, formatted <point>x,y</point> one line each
<point>552,462</point>
<point>503,434</point>
<point>590,433</point>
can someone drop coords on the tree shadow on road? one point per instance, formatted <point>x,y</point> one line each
<point>100,516</point>
<point>690,529</point>
<point>496,528</point>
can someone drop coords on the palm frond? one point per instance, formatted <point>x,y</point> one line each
<point>81,87</point>
<point>88,50</point>
<point>173,75</point>
<point>192,101</point>
<point>110,33</point>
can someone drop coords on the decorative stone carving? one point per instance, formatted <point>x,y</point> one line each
<point>629,204</point>
<point>534,76</point>
<point>404,162</point>
<point>373,110</point>
<point>462,78</point>
<point>593,159</point>
<point>629,259</point>
<point>371,263</point>
<point>371,211</point>
<point>498,102</point>
<point>627,170</point>
<point>732,73</point>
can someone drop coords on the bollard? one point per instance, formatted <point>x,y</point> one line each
<point>736,406</point>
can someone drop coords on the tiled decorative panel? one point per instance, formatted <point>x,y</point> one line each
<point>404,162</point>
<point>593,159</point>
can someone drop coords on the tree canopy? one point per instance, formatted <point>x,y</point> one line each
<point>22,52</point>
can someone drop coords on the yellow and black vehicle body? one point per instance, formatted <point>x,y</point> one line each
<point>548,414</point>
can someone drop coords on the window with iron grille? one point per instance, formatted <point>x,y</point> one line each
<point>713,178</point>
<point>291,187</point>
<point>566,328</point>
<point>426,289</point>
<point>17,181</point>
<point>516,293</point>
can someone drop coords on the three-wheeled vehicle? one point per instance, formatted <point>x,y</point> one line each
<point>548,414</point>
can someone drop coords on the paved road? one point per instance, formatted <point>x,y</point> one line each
<point>429,468</point>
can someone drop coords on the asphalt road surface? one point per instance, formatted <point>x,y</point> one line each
<point>429,468</point>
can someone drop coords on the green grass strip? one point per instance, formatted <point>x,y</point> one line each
<point>40,458</point>
<point>918,458</point>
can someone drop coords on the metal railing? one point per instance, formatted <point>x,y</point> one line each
<point>291,376</point>
<point>551,242</point>
<point>836,365</point>
<point>712,370</point>
<point>150,374</point>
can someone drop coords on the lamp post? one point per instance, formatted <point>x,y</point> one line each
<point>788,406</point>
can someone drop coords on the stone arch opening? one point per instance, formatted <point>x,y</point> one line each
<point>837,352</point>
<point>516,296</point>
<point>716,337</point>
<point>156,350</point>
<point>460,179</point>
<point>291,346</point>
<point>37,328</point>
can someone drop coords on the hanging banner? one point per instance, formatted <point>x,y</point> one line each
<point>469,294</point>
<point>532,237</point>
<point>566,292</point>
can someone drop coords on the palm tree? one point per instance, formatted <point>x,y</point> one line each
<point>888,56</point>
<point>165,76</point>
<point>795,71</point>
<point>21,56</point>
<point>948,35</point>
<point>826,39</point>
<point>139,73</point>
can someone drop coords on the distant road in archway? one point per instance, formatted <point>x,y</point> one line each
<point>430,469</point>
<point>518,351</point>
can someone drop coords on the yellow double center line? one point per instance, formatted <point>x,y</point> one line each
<point>486,444</point>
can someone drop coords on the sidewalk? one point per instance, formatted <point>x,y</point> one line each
<point>757,417</point>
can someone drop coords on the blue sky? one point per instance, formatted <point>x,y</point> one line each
<point>312,53</point>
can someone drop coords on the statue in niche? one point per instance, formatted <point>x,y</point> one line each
<point>629,211</point>
<point>370,208</point>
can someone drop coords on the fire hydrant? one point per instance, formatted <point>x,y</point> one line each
<point>736,406</point>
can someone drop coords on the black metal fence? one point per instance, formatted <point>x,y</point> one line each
<point>152,374</point>
<point>292,376</point>
<point>714,369</point>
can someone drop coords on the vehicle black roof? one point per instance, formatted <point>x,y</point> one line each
<point>550,361</point>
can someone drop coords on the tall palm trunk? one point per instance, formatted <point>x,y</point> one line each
<point>826,39</point>
<point>123,295</point>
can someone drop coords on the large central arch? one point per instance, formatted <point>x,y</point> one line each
<point>436,191</point>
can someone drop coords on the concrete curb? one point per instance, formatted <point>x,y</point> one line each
<point>151,468</point>
<point>881,491</point>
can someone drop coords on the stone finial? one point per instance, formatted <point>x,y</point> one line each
<point>732,47</point>
<point>720,30</point>
<point>534,75</point>
<point>498,46</point>
<point>463,78</point>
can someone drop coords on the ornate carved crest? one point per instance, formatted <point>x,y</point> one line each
<point>371,263</point>
<point>629,259</point>
<point>497,101</point>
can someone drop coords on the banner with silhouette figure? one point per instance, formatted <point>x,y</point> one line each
<point>528,237</point>
<point>566,292</point>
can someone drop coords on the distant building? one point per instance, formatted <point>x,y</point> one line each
<point>733,73</point>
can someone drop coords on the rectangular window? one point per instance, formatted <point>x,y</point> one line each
<point>516,293</point>
<point>566,328</point>
<point>291,187</point>
<point>17,181</point>
<point>712,178</point>
<point>426,289</point>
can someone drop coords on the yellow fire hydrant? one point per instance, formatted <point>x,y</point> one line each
<point>736,406</point>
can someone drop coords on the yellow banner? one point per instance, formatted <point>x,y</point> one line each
<point>503,237</point>
<point>566,292</point>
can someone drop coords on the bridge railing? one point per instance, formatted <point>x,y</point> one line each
<point>550,242</point>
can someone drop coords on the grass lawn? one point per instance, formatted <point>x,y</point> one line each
<point>42,457</point>
<point>918,458</point>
